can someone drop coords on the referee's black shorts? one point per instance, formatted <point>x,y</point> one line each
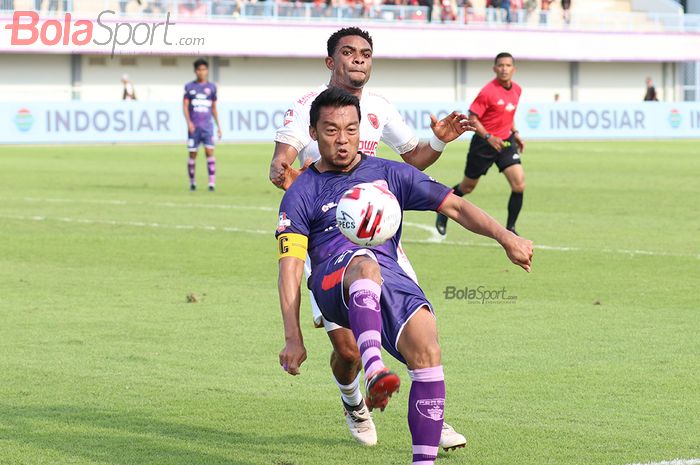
<point>481,156</point>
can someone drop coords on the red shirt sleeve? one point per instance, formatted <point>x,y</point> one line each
<point>480,104</point>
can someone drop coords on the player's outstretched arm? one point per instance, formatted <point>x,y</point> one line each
<point>445,130</point>
<point>294,353</point>
<point>471,217</point>
<point>282,174</point>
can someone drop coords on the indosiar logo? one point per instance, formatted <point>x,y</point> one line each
<point>533,118</point>
<point>24,120</point>
<point>675,119</point>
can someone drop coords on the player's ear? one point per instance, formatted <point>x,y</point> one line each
<point>313,133</point>
<point>330,64</point>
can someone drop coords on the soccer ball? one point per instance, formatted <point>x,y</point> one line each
<point>368,214</point>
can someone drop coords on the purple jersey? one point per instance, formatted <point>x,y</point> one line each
<point>202,96</point>
<point>308,207</point>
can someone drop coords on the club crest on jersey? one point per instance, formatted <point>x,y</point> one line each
<point>374,121</point>
<point>288,116</point>
<point>207,90</point>
<point>284,222</point>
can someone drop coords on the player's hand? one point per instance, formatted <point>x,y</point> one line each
<point>519,142</point>
<point>190,127</point>
<point>292,356</point>
<point>495,142</point>
<point>519,251</point>
<point>290,174</point>
<point>451,126</point>
<point>218,132</point>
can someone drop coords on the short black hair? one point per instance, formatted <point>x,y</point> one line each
<point>344,32</point>
<point>333,97</point>
<point>199,62</point>
<point>503,55</point>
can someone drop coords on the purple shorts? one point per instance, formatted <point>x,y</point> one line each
<point>401,296</point>
<point>200,136</point>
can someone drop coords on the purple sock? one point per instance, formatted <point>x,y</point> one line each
<point>211,167</point>
<point>366,322</point>
<point>426,408</point>
<point>190,170</point>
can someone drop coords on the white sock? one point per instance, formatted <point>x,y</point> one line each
<point>350,393</point>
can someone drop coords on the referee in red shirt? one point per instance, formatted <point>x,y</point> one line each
<point>496,140</point>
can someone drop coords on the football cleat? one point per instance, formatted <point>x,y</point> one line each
<point>380,386</point>
<point>512,229</point>
<point>360,424</point>
<point>441,224</point>
<point>451,439</point>
<point>212,188</point>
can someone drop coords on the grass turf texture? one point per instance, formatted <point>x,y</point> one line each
<point>104,361</point>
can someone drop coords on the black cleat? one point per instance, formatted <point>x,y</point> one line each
<point>441,224</point>
<point>193,187</point>
<point>512,229</point>
<point>212,188</point>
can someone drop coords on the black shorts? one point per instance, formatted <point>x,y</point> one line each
<point>481,156</point>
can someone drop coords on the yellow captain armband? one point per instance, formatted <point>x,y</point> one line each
<point>292,245</point>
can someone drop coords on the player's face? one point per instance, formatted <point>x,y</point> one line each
<point>351,64</point>
<point>202,73</point>
<point>504,69</point>
<point>338,136</point>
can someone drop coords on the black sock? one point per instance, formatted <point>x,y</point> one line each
<point>457,191</point>
<point>514,205</point>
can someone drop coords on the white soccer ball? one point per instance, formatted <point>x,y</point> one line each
<point>368,214</point>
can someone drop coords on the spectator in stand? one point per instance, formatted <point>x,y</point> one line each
<point>544,11</point>
<point>505,10</point>
<point>651,92</point>
<point>493,11</point>
<point>468,7</point>
<point>429,4</point>
<point>449,10</point>
<point>129,93</point>
<point>566,11</point>
<point>516,11</point>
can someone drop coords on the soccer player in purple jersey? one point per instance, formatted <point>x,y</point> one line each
<point>199,106</point>
<point>362,288</point>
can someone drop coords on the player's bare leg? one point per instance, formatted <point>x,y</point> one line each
<point>362,285</point>
<point>211,167</point>
<point>418,343</point>
<point>516,178</point>
<point>463,188</point>
<point>191,164</point>
<point>346,365</point>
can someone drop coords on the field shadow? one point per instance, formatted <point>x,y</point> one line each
<point>125,438</point>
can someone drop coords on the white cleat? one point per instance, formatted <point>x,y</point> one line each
<point>361,425</point>
<point>451,439</point>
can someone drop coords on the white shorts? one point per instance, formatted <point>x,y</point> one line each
<point>329,325</point>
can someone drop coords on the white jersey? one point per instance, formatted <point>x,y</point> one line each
<point>380,121</point>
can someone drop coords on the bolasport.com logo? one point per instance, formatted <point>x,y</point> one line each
<point>28,28</point>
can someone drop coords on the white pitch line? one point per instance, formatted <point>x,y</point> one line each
<point>137,224</point>
<point>435,237</point>
<point>672,462</point>
<point>155,204</point>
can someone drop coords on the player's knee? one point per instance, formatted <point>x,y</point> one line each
<point>347,355</point>
<point>518,186</point>
<point>364,267</point>
<point>429,355</point>
<point>466,187</point>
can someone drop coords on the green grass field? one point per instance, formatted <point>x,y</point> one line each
<point>103,360</point>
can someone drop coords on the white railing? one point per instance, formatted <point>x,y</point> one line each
<point>318,12</point>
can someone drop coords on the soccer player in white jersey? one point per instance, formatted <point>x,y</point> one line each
<point>350,63</point>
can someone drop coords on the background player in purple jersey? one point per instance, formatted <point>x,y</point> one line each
<point>199,106</point>
<point>365,289</point>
